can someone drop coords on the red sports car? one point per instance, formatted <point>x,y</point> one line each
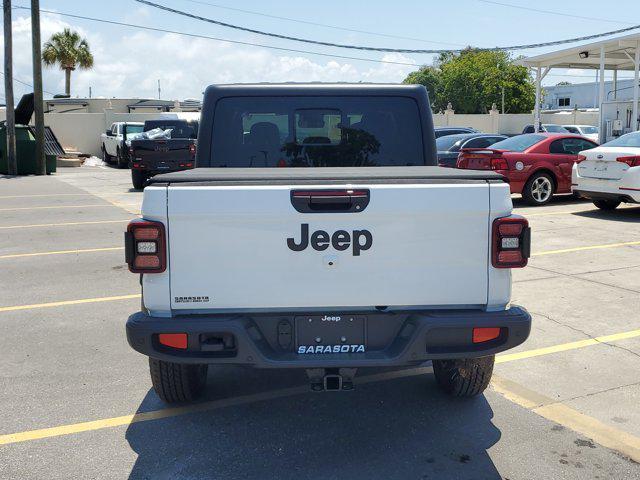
<point>537,165</point>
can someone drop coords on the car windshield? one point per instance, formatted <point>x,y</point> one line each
<point>628,140</point>
<point>308,131</point>
<point>587,130</point>
<point>555,129</point>
<point>445,143</point>
<point>133,130</point>
<point>519,143</point>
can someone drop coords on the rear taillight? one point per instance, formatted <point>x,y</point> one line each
<point>192,150</point>
<point>632,161</point>
<point>145,249</point>
<point>511,244</point>
<point>462,162</point>
<point>581,158</point>
<point>186,165</point>
<point>498,163</point>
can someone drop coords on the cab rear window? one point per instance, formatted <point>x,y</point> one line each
<point>310,131</point>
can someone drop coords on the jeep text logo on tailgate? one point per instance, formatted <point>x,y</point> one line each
<point>360,240</point>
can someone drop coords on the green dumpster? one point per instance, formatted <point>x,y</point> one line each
<point>25,152</point>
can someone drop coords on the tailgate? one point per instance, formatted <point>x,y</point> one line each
<point>229,247</point>
<point>162,154</point>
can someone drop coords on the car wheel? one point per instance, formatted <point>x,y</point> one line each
<point>466,377</point>
<point>121,162</point>
<point>106,158</point>
<point>539,189</point>
<point>177,382</point>
<point>606,204</point>
<point>138,179</point>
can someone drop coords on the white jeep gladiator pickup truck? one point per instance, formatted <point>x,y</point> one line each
<point>371,257</point>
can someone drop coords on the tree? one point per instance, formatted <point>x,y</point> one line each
<point>430,78</point>
<point>69,51</point>
<point>474,79</point>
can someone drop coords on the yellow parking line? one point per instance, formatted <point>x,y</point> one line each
<point>49,195</point>
<point>545,214</point>
<point>63,224</point>
<point>50,207</point>
<point>562,414</point>
<point>61,252</point>
<point>580,249</point>
<point>509,357</point>
<point>215,404</point>
<point>68,302</point>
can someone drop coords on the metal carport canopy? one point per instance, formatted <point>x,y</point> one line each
<point>619,53</point>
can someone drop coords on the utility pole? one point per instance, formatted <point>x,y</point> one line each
<point>503,99</point>
<point>38,101</point>
<point>158,89</point>
<point>12,165</point>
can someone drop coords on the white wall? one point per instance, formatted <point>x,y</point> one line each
<point>81,131</point>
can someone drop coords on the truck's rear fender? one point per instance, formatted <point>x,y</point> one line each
<point>499,279</point>
<point>155,287</point>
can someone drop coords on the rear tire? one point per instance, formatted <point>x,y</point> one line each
<point>106,158</point>
<point>120,161</point>
<point>138,179</point>
<point>606,204</point>
<point>177,382</point>
<point>465,377</point>
<point>539,189</point>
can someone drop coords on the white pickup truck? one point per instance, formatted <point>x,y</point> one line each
<point>377,259</point>
<point>113,142</point>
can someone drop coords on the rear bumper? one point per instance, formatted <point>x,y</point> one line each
<point>392,339</point>
<point>625,189</point>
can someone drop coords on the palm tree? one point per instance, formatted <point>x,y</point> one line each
<point>68,50</point>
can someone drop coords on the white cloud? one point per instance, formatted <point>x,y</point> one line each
<point>130,66</point>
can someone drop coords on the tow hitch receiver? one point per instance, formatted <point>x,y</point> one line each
<point>331,379</point>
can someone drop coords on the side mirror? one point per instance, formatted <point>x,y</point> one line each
<point>108,133</point>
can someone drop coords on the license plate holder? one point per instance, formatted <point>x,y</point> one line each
<point>324,334</point>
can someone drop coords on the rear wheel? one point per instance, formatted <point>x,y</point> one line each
<point>138,179</point>
<point>466,377</point>
<point>606,204</point>
<point>177,382</point>
<point>539,189</point>
<point>106,158</point>
<point>121,162</point>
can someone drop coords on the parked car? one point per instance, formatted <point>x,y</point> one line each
<point>538,165</point>
<point>297,268</point>
<point>172,149</point>
<point>442,131</point>
<point>449,146</point>
<point>610,173</point>
<point>588,131</point>
<point>545,128</point>
<point>114,142</point>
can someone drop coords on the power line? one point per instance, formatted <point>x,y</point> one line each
<point>306,22</point>
<point>551,12</point>
<point>377,49</point>
<point>25,83</point>
<point>207,37</point>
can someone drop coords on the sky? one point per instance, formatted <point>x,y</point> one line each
<point>130,61</point>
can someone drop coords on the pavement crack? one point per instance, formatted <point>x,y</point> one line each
<point>578,277</point>
<point>591,394</point>
<point>588,335</point>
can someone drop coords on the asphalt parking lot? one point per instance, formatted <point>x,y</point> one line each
<point>76,401</point>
